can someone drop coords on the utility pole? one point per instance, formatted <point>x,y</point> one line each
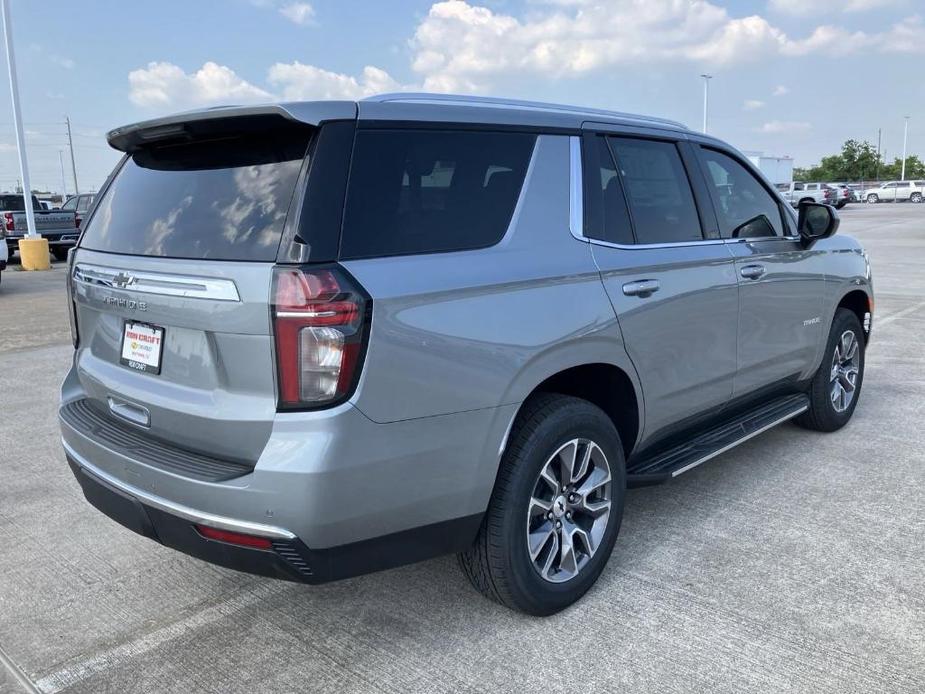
<point>63,180</point>
<point>17,121</point>
<point>70,144</point>
<point>706,99</point>
<point>905,138</point>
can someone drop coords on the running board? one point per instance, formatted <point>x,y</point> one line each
<point>679,459</point>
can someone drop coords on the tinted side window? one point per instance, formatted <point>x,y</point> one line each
<point>608,218</point>
<point>657,189</point>
<point>743,205</point>
<point>425,191</point>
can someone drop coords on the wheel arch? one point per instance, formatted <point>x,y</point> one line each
<point>605,385</point>
<point>860,303</point>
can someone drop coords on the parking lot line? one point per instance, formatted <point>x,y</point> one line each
<point>899,314</point>
<point>16,673</point>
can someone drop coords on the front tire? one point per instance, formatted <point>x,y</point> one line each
<point>873,199</point>
<point>555,512</point>
<point>836,387</point>
<point>915,197</point>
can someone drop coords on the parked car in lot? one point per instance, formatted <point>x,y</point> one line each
<point>798,192</point>
<point>60,227</point>
<point>843,195</point>
<point>896,191</point>
<point>4,253</point>
<point>80,204</point>
<point>319,339</point>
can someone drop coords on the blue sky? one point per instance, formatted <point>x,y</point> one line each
<point>789,78</point>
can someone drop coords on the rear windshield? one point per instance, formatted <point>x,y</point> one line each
<point>219,200</point>
<point>14,203</point>
<point>425,191</point>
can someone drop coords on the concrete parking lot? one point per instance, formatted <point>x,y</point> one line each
<point>795,562</point>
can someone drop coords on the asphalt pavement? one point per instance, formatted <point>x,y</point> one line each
<point>793,563</point>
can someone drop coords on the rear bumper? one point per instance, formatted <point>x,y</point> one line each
<point>56,239</point>
<point>174,526</point>
<point>348,494</point>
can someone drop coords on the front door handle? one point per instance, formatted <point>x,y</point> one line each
<point>642,288</point>
<point>752,272</point>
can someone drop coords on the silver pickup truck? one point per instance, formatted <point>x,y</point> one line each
<point>798,191</point>
<point>60,227</point>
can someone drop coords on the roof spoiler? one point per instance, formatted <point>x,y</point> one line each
<point>186,126</point>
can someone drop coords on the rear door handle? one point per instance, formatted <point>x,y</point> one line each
<point>642,288</point>
<point>752,272</point>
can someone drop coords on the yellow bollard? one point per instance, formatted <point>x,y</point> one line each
<point>33,254</point>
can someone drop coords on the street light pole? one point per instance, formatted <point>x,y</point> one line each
<point>706,99</point>
<point>17,121</point>
<point>63,179</point>
<point>70,143</point>
<point>905,138</point>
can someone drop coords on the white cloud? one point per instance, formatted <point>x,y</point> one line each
<point>752,104</point>
<point>298,81</point>
<point>784,127</point>
<point>781,90</point>
<point>802,8</point>
<point>460,46</point>
<point>166,84</point>
<point>61,61</point>
<point>300,13</point>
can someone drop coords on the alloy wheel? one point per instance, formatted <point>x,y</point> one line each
<point>569,510</point>
<point>846,363</point>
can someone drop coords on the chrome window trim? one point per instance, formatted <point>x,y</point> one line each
<point>755,239</point>
<point>576,190</point>
<point>645,246</point>
<point>185,286</point>
<point>194,516</point>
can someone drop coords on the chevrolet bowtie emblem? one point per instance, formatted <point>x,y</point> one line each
<point>123,280</point>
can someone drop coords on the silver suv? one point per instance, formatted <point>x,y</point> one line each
<point>315,340</point>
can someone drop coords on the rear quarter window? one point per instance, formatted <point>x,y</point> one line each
<point>224,199</point>
<point>427,191</point>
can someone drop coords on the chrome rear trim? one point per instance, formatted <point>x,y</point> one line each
<point>210,519</point>
<point>185,286</point>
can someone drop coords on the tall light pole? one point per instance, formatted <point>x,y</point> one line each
<point>905,138</point>
<point>70,143</point>
<point>17,121</point>
<point>63,180</point>
<point>706,99</point>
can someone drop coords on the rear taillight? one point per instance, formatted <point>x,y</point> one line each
<point>320,318</point>
<point>77,221</point>
<point>8,222</point>
<point>71,303</point>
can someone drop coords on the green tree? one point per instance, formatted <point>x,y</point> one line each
<point>859,161</point>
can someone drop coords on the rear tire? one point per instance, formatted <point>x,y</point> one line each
<point>565,562</point>
<point>836,387</point>
<point>60,253</point>
<point>915,197</point>
<point>873,199</point>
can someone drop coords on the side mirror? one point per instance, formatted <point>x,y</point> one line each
<point>816,221</point>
